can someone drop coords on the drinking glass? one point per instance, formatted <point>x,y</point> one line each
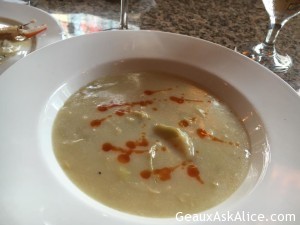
<point>280,11</point>
<point>123,14</point>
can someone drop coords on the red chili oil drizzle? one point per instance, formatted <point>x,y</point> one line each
<point>193,171</point>
<point>125,153</point>
<point>177,100</point>
<point>181,100</point>
<point>162,173</point>
<point>151,92</point>
<point>165,173</point>
<point>122,112</point>
<point>103,108</point>
<point>183,123</point>
<point>141,142</point>
<point>98,122</point>
<point>124,158</point>
<point>146,174</point>
<point>204,134</point>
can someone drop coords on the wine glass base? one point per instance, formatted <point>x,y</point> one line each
<point>270,59</point>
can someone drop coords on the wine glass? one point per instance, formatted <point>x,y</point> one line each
<point>280,11</point>
<point>123,14</point>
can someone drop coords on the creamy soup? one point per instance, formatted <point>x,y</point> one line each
<point>151,144</point>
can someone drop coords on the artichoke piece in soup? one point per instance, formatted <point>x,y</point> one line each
<point>178,139</point>
<point>151,144</point>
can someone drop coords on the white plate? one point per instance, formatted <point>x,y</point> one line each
<point>34,190</point>
<point>20,13</point>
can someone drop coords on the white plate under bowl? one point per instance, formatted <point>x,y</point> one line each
<point>34,190</point>
<point>16,14</point>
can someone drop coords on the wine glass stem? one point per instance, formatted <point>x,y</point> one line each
<point>124,10</point>
<point>272,34</point>
<point>270,39</point>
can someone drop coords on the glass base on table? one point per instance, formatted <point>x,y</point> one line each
<point>268,57</point>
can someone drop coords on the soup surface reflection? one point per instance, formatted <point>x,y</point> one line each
<point>151,144</point>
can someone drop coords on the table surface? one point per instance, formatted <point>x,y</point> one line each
<point>230,23</point>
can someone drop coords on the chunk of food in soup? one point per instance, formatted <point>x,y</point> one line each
<point>151,144</point>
